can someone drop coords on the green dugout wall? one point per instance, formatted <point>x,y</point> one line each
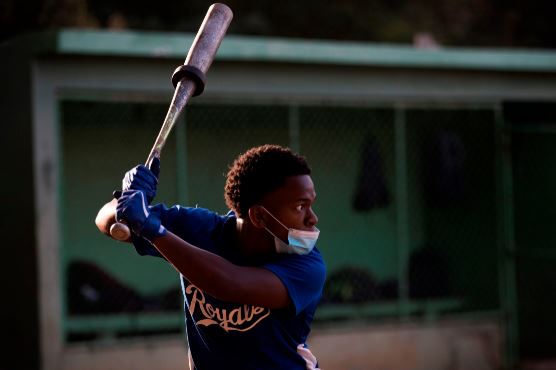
<point>427,207</point>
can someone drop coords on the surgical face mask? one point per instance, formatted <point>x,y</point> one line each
<point>299,241</point>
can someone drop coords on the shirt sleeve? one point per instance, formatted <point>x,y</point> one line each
<point>192,224</point>
<point>302,275</point>
<point>143,247</point>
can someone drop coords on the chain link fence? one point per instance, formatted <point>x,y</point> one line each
<point>406,206</point>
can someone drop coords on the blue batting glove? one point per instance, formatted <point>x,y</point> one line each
<point>132,209</point>
<point>143,178</point>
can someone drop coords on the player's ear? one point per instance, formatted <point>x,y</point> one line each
<point>256,216</point>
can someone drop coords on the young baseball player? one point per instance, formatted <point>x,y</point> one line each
<point>252,278</point>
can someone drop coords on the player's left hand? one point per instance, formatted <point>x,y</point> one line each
<point>133,209</point>
<point>142,178</point>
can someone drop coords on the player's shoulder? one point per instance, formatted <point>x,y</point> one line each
<point>317,261</point>
<point>189,219</point>
<point>302,275</point>
<point>308,264</point>
<point>181,211</point>
<point>314,257</point>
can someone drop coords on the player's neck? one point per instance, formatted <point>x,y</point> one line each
<point>253,242</point>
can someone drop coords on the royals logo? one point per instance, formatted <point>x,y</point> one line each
<point>239,318</point>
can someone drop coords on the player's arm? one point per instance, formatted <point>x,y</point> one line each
<point>138,178</point>
<point>208,271</point>
<point>221,278</point>
<point>106,217</point>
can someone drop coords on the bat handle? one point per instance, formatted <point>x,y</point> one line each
<point>120,231</point>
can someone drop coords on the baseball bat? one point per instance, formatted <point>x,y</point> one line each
<point>189,80</point>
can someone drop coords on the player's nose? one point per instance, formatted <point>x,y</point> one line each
<point>312,218</point>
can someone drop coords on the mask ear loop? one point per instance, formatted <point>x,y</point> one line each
<point>277,220</point>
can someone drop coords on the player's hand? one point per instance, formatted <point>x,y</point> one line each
<point>143,178</point>
<point>133,209</point>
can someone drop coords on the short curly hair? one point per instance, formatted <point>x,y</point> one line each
<point>259,171</point>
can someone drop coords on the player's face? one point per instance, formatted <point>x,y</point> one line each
<point>292,205</point>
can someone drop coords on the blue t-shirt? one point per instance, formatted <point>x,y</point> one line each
<point>224,335</point>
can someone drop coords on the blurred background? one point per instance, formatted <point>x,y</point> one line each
<point>430,128</point>
<point>448,22</point>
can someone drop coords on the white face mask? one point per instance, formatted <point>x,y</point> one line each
<point>299,241</point>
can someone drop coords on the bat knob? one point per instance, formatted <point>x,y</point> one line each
<point>192,73</point>
<point>120,231</point>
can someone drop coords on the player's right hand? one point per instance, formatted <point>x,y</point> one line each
<point>132,209</point>
<point>144,179</point>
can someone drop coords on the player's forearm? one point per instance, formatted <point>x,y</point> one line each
<point>207,271</point>
<point>106,217</point>
<point>221,278</point>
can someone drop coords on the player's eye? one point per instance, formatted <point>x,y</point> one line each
<point>299,207</point>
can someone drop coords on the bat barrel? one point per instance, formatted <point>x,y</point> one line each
<point>210,35</point>
<point>204,47</point>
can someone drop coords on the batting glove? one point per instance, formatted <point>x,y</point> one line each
<point>143,178</point>
<point>132,209</point>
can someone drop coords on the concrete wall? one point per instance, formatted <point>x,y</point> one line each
<point>448,345</point>
<point>453,345</point>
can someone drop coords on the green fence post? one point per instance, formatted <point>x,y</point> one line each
<point>181,160</point>
<point>402,224</point>
<point>506,241</point>
<point>293,128</point>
